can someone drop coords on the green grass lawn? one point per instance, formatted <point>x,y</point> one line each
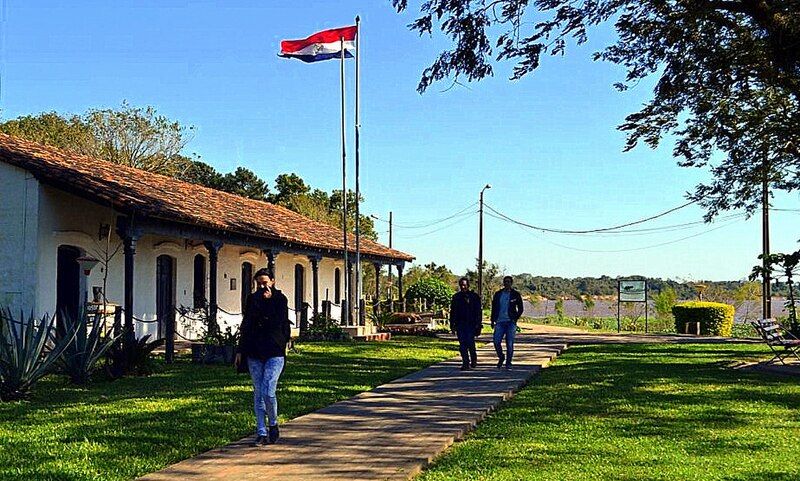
<point>639,412</point>
<point>132,426</point>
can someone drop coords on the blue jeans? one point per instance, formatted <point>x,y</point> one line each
<point>265,376</point>
<point>508,330</point>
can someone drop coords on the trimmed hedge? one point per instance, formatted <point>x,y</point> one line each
<point>715,318</point>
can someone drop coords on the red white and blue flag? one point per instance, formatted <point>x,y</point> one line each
<point>323,45</point>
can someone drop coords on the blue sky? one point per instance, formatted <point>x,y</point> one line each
<point>547,144</point>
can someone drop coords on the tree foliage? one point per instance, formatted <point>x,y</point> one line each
<point>435,291</point>
<point>728,75</point>
<point>134,136</point>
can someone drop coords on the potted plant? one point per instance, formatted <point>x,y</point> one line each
<point>217,348</point>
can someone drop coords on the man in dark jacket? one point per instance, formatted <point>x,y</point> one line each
<point>506,309</point>
<point>264,333</point>
<point>465,320</point>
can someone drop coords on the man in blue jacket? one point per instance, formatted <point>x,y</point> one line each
<point>506,309</point>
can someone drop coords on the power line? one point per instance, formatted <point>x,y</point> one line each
<point>457,221</point>
<point>660,229</point>
<point>730,222</point>
<point>590,231</point>
<point>429,223</point>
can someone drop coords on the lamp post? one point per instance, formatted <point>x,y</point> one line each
<point>480,244</point>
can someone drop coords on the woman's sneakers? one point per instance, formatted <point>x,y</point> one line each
<point>270,438</point>
<point>274,434</point>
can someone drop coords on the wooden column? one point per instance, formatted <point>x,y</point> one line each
<point>130,236</point>
<point>213,248</point>
<point>272,254</point>
<point>376,306</point>
<point>315,259</point>
<point>401,296</point>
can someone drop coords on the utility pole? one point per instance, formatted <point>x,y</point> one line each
<point>766,290</point>
<point>480,244</point>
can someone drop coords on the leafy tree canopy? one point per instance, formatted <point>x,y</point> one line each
<point>728,75</point>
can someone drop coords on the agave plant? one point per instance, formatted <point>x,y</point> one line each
<point>28,350</point>
<point>134,357</point>
<point>86,348</point>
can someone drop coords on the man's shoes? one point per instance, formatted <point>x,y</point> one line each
<point>274,434</point>
<point>464,367</point>
<point>473,364</point>
<point>500,362</point>
<point>508,367</point>
<point>260,441</point>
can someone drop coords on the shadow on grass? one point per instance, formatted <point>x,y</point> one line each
<point>128,427</point>
<point>633,411</point>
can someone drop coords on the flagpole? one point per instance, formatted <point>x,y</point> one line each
<point>345,312</point>
<point>358,177</point>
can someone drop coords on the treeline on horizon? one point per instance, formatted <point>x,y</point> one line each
<point>553,287</point>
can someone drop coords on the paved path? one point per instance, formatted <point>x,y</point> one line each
<point>389,433</point>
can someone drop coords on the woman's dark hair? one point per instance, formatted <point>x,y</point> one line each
<point>264,272</point>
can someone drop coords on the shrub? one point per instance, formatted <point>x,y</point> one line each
<point>435,291</point>
<point>134,357</point>
<point>28,350</point>
<point>322,328</point>
<point>80,357</point>
<point>716,319</point>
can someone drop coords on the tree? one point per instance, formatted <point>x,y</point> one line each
<point>138,137</point>
<point>492,281</point>
<point>435,292</point>
<point>133,136</point>
<point>246,183</point>
<point>51,128</point>
<point>289,187</point>
<point>203,174</point>
<point>588,305</point>
<point>663,303</point>
<point>728,75</point>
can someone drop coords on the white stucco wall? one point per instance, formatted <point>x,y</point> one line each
<point>19,209</point>
<point>65,219</point>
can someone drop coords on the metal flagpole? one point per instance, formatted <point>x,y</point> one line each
<point>358,178</point>
<point>345,312</point>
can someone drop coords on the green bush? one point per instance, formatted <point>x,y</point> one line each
<point>435,291</point>
<point>716,319</point>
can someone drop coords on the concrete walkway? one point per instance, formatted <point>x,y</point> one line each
<point>389,433</point>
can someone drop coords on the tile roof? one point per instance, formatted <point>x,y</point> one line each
<point>132,190</point>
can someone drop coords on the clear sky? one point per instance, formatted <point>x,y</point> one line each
<point>547,144</point>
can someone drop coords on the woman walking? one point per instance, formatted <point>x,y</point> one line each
<point>265,333</point>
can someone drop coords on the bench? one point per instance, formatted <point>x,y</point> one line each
<point>782,343</point>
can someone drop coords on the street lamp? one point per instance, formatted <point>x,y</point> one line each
<point>480,244</point>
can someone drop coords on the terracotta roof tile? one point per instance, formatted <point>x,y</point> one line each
<point>132,190</point>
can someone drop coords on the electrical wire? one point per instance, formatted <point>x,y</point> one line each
<point>730,222</point>
<point>465,216</point>
<point>428,223</point>
<point>589,231</point>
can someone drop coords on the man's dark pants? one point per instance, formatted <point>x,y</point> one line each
<point>466,345</point>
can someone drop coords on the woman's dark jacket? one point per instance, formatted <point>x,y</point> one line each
<point>465,311</point>
<point>515,306</point>
<point>265,329</point>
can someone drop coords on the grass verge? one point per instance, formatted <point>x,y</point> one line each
<point>133,426</point>
<point>639,412</point>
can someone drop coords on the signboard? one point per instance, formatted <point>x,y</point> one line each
<point>632,291</point>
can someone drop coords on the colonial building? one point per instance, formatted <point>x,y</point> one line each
<point>74,227</point>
